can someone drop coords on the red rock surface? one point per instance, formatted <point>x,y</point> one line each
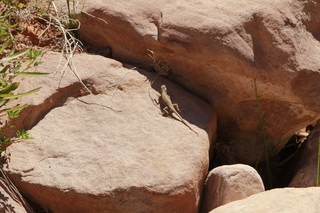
<point>216,50</point>
<point>86,157</point>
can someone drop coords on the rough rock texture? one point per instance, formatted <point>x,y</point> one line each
<point>306,161</point>
<point>286,200</point>
<point>8,200</point>
<point>87,158</point>
<point>216,49</point>
<point>229,183</point>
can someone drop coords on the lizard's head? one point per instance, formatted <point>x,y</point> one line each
<point>164,88</point>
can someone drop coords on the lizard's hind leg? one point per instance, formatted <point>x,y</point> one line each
<point>177,107</point>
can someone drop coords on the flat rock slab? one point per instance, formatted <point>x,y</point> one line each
<point>86,157</point>
<point>286,200</point>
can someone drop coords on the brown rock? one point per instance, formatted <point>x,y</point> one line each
<point>216,50</point>
<point>9,202</point>
<point>285,200</point>
<point>304,171</point>
<point>86,157</point>
<point>229,183</point>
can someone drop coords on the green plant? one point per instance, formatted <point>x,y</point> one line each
<point>73,21</point>
<point>5,28</point>
<point>269,151</point>
<point>275,149</point>
<point>23,134</point>
<point>10,68</point>
<point>13,114</point>
<point>267,148</point>
<point>13,64</point>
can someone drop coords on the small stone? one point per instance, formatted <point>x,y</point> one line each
<point>229,183</point>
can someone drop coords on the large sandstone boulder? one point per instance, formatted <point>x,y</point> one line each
<point>286,200</point>
<point>86,157</point>
<point>225,184</point>
<point>216,50</point>
<point>305,166</point>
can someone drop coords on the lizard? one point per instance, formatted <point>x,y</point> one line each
<point>171,107</point>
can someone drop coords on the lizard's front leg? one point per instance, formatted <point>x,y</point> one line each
<point>176,107</point>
